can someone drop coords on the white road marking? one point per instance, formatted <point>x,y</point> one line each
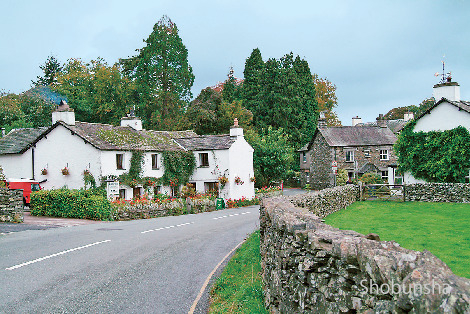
<point>169,227</point>
<point>226,216</point>
<point>54,255</point>
<point>204,286</point>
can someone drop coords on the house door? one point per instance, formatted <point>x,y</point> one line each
<point>136,193</point>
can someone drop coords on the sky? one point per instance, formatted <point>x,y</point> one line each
<point>378,54</point>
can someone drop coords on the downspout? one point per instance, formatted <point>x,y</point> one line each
<point>32,161</point>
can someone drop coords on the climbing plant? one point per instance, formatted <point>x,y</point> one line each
<point>435,156</point>
<point>179,166</point>
<point>133,177</point>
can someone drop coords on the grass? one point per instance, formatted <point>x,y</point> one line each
<point>239,288</point>
<point>441,228</point>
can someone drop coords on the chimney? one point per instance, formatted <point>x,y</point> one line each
<point>408,116</point>
<point>63,113</point>
<point>322,120</point>
<point>356,120</point>
<point>132,121</point>
<point>236,130</point>
<point>449,90</point>
<point>381,121</point>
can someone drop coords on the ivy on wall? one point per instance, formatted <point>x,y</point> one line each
<point>179,166</point>
<point>435,156</point>
<point>133,177</point>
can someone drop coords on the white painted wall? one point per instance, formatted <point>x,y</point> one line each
<point>218,165</point>
<point>409,179</point>
<point>241,165</point>
<point>17,165</point>
<point>443,117</point>
<point>60,149</point>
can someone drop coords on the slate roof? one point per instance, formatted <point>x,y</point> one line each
<point>207,142</point>
<point>19,140</point>
<point>461,104</point>
<point>344,136</point>
<point>394,125</point>
<point>109,137</point>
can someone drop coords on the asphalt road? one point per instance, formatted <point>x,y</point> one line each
<point>140,266</point>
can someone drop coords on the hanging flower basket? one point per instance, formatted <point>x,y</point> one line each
<point>133,183</point>
<point>44,171</point>
<point>238,181</point>
<point>253,179</point>
<point>65,171</point>
<point>223,180</point>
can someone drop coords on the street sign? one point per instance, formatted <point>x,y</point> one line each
<point>113,189</point>
<point>334,163</point>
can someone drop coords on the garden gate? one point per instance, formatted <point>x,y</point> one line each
<point>393,192</point>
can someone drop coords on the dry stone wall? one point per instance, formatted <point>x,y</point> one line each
<point>311,267</point>
<point>438,192</point>
<point>11,205</point>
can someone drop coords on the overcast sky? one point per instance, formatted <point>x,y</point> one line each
<point>379,54</point>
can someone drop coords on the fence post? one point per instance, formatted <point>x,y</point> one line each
<point>404,193</point>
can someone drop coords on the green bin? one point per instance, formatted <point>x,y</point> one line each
<point>219,203</point>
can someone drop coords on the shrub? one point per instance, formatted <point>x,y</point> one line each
<point>242,202</point>
<point>371,178</point>
<point>71,204</point>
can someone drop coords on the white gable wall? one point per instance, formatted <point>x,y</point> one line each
<point>59,149</point>
<point>218,163</point>
<point>241,165</point>
<point>443,117</point>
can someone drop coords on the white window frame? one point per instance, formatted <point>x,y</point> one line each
<point>349,152</point>
<point>384,177</point>
<point>367,153</point>
<point>304,157</point>
<point>201,165</point>
<point>384,154</point>
<point>156,164</point>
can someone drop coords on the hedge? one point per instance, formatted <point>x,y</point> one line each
<point>70,204</point>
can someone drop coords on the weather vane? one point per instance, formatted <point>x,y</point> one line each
<point>446,77</point>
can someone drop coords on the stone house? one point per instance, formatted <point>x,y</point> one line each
<point>447,113</point>
<point>357,149</point>
<point>105,151</point>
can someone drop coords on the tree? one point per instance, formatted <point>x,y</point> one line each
<point>325,95</point>
<point>281,93</point>
<point>162,75</point>
<point>51,68</point>
<point>96,91</point>
<point>273,157</point>
<point>398,112</point>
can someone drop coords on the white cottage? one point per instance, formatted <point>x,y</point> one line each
<point>447,113</point>
<point>59,155</point>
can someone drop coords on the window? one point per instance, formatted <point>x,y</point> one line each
<point>385,176</point>
<point>120,161</point>
<point>211,187</point>
<point>367,153</point>
<point>384,154</point>
<point>155,162</point>
<point>122,194</point>
<point>157,190</point>
<point>304,157</point>
<point>203,160</point>
<point>349,155</point>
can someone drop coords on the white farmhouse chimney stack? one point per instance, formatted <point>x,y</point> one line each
<point>407,116</point>
<point>356,120</point>
<point>449,90</point>
<point>132,121</point>
<point>63,113</point>
<point>236,130</point>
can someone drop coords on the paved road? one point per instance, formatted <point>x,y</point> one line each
<point>139,266</point>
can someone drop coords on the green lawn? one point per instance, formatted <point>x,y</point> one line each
<point>441,228</point>
<point>239,288</point>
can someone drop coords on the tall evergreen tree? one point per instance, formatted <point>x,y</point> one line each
<point>281,93</point>
<point>51,69</point>
<point>162,75</point>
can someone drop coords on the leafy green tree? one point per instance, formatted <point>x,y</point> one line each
<point>281,94</point>
<point>231,90</point>
<point>398,112</point>
<point>163,77</point>
<point>50,68</point>
<point>96,91</point>
<point>273,157</point>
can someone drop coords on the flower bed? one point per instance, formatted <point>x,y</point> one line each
<point>241,202</point>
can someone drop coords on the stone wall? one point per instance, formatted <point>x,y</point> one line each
<point>311,267</point>
<point>327,201</point>
<point>438,192</point>
<point>11,205</point>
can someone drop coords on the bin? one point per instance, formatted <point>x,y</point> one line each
<point>219,203</point>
